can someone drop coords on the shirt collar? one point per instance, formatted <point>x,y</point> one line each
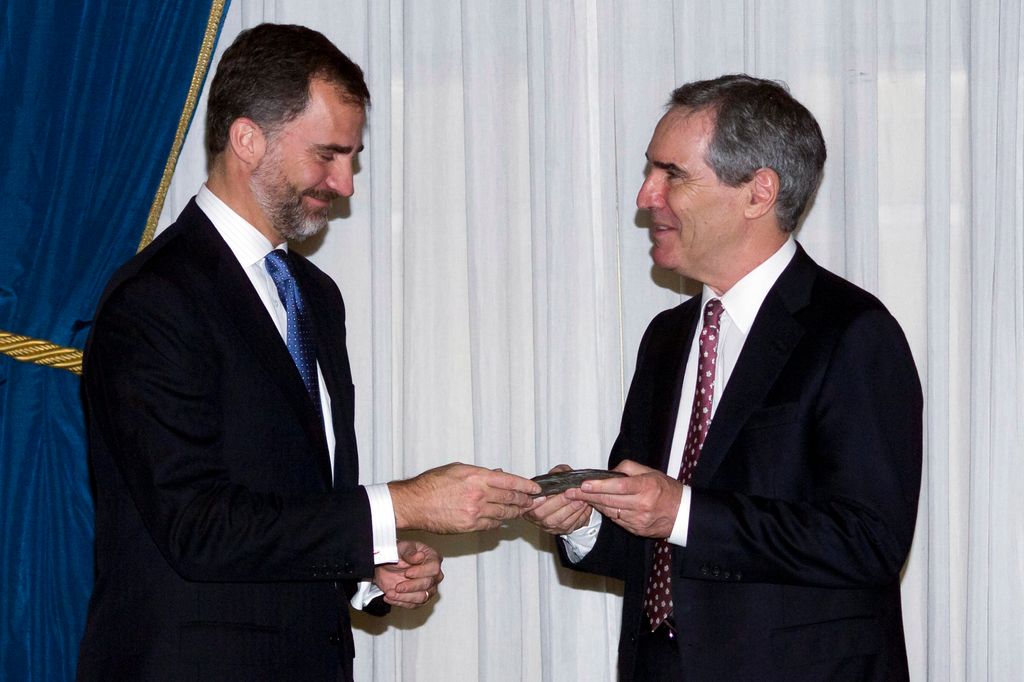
<point>245,241</point>
<point>744,299</point>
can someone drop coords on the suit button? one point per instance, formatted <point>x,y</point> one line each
<point>704,570</point>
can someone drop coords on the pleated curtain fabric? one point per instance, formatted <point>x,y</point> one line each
<point>93,96</point>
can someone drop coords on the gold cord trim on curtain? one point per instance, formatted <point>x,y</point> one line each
<point>27,349</point>
<point>202,64</point>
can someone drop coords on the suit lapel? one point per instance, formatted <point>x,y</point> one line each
<point>667,399</point>
<point>329,330</point>
<point>772,339</point>
<point>666,354</point>
<point>660,366</point>
<point>241,305</point>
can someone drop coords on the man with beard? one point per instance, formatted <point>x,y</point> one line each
<point>230,526</point>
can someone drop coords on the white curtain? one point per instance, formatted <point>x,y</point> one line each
<point>497,282</point>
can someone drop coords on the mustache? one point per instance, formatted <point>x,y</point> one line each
<point>321,194</point>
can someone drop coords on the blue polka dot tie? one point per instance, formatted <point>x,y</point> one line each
<point>658,595</point>
<point>301,344</point>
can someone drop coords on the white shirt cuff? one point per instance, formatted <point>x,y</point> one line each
<point>681,528</point>
<point>366,593</point>
<point>579,542</point>
<point>382,516</point>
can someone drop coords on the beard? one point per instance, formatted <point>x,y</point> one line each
<point>282,202</point>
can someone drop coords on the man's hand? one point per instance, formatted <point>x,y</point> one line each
<point>557,515</point>
<point>460,498</point>
<point>412,581</point>
<point>645,502</point>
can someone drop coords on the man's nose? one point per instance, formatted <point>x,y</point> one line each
<point>650,194</point>
<point>340,179</point>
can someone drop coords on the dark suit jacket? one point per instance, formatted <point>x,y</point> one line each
<point>222,549</point>
<point>804,497</point>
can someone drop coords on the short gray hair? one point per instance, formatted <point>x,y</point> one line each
<point>758,124</point>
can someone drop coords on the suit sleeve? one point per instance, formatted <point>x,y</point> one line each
<point>153,389</point>
<point>852,478</point>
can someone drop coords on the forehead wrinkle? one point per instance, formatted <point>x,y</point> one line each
<point>671,168</point>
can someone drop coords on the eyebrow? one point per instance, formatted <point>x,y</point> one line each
<point>337,149</point>
<point>669,167</point>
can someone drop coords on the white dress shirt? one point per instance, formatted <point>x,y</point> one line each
<point>740,306</point>
<point>250,247</point>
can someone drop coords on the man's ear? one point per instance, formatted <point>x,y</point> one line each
<point>764,191</point>
<point>246,142</point>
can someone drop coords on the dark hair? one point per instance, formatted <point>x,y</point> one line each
<point>265,75</point>
<point>758,124</point>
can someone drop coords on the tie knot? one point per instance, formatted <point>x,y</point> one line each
<point>277,266</point>
<point>712,312</point>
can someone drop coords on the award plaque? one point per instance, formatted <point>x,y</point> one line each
<point>554,483</point>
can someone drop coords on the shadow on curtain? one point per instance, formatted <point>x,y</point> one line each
<point>93,96</point>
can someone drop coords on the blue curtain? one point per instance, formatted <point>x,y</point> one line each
<point>93,92</point>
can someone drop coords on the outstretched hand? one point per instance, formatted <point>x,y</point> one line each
<point>460,498</point>
<point>412,581</point>
<point>557,514</point>
<point>645,502</point>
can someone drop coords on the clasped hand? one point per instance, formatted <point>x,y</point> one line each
<point>645,502</point>
<point>413,580</point>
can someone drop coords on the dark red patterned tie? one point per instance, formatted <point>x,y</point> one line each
<point>658,596</point>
